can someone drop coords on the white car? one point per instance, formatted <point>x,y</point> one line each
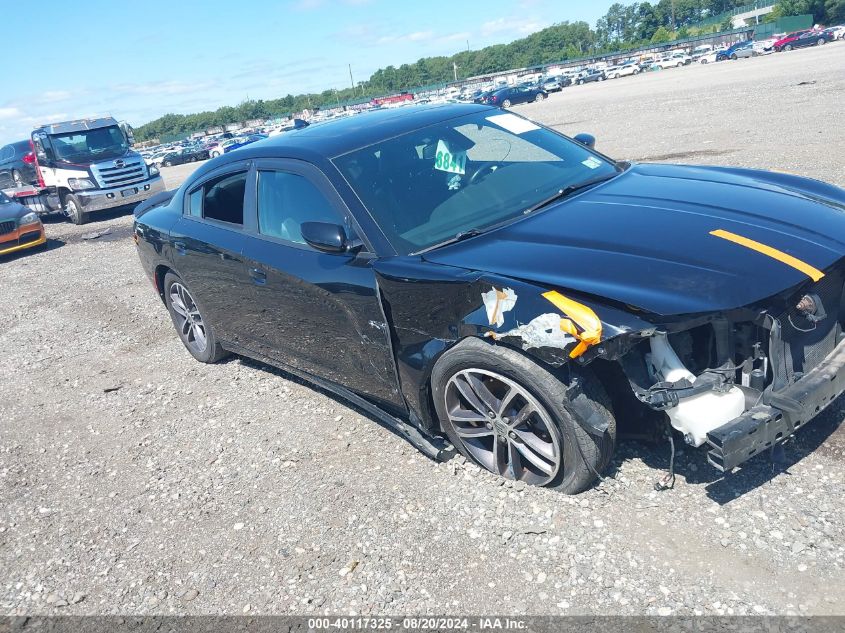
<point>764,47</point>
<point>670,61</point>
<point>838,32</point>
<point>625,70</point>
<point>709,58</point>
<point>156,159</point>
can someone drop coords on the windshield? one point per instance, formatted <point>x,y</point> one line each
<point>90,145</point>
<point>465,174</point>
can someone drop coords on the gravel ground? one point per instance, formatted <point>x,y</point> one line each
<point>134,480</point>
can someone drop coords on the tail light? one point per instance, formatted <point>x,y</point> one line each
<point>494,99</point>
<point>35,162</point>
<point>29,158</point>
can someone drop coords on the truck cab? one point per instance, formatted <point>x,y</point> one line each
<point>88,165</point>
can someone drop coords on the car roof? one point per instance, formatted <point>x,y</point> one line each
<point>340,136</point>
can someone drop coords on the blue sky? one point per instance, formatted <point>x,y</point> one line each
<point>137,61</point>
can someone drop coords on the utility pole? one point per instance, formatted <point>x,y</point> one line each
<point>455,70</point>
<point>672,2</point>
<point>350,78</point>
<point>467,46</point>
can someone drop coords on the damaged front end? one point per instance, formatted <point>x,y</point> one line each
<point>736,381</point>
<point>744,380</point>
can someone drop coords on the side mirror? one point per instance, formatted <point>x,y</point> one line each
<point>329,238</point>
<point>586,139</point>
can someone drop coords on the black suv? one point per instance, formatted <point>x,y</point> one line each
<point>17,164</point>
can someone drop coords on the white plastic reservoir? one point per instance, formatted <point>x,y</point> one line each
<point>697,415</point>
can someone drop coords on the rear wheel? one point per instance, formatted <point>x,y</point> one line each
<point>539,97</point>
<point>73,210</point>
<point>733,56</point>
<point>788,47</point>
<point>512,417</point>
<point>821,42</point>
<point>506,103</point>
<point>196,334</point>
<point>167,163</point>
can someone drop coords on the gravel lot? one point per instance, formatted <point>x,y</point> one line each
<point>135,480</point>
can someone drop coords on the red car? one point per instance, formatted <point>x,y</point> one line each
<point>787,43</point>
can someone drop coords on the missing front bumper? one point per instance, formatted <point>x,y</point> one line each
<point>764,425</point>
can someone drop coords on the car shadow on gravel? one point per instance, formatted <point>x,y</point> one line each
<point>691,464</point>
<point>255,364</point>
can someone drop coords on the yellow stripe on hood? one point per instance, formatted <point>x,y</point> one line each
<point>813,273</point>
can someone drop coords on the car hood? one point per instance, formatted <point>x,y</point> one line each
<point>12,211</point>
<point>644,238</point>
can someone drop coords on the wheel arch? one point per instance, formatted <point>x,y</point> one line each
<point>159,273</point>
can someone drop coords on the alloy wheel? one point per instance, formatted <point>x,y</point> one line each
<point>503,427</point>
<point>189,320</point>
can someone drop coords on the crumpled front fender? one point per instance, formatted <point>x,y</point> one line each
<point>430,308</point>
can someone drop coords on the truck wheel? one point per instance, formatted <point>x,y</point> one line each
<point>196,334</point>
<point>512,417</point>
<point>73,210</point>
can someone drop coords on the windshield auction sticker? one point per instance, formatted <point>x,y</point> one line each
<point>452,162</point>
<point>513,123</point>
<point>592,162</point>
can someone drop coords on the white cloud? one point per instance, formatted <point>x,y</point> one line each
<point>9,113</point>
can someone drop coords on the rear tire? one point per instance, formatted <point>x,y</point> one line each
<point>556,419</point>
<point>73,209</point>
<point>821,42</point>
<point>539,97</point>
<point>733,56</point>
<point>506,103</point>
<point>167,163</point>
<point>196,335</point>
<point>788,47</point>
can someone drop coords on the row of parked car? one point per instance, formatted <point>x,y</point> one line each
<point>192,151</point>
<point>537,90</point>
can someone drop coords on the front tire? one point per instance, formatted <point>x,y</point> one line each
<point>788,47</point>
<point>514,418</point>
<point>821,42</point>
<point>73,209</point>
<point>196,335</point>
<point>167,163</point>
<point>539,97</point>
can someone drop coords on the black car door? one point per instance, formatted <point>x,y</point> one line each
<point>314,311</point>
<point>207,248</point>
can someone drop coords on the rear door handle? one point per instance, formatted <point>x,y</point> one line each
<point>258,276</point>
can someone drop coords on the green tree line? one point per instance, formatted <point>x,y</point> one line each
<point>624,26</point>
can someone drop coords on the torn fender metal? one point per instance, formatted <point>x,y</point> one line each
<point>444,305</point>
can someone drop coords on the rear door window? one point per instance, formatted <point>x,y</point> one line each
<point>220,199</point>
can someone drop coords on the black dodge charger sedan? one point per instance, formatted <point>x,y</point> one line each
<point>474,279</point>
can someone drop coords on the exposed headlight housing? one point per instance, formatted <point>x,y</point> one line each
<point>80,184</point>
<point>153,170</point>
<point>29,218</point>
